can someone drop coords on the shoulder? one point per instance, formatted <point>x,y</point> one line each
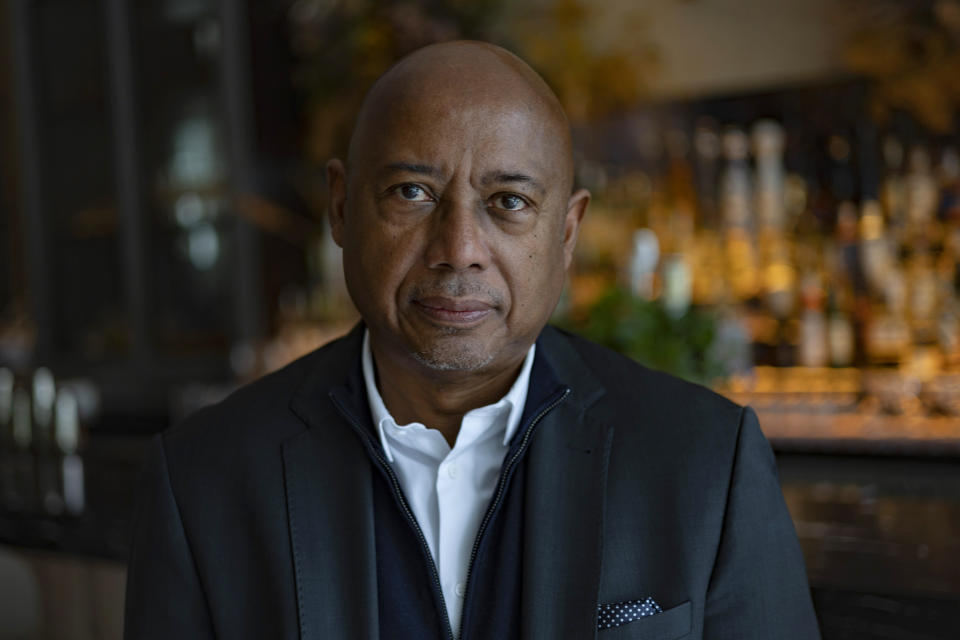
<point>258,415</point>
<point>658,420</point>
<point>669,428</point>
<point>632,387</point>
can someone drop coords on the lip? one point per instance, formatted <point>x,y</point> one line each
<point>453,310</point>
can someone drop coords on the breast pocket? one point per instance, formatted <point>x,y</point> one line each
<point>672,624</point>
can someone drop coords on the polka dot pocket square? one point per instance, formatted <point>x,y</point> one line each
<point>618,613</point>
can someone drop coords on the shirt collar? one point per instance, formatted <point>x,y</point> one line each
<point>514,398</point>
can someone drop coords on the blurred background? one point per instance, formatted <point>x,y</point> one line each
<point>776,215</point>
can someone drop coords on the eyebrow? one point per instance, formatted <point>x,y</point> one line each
<point>413,168</point>
<point>504,177</point>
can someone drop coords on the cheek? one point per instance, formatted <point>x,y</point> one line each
<point>384,260</point>
<point>537,277</point>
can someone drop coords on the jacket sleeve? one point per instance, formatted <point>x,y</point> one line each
<point>164,596</point>
<point>758,588</point>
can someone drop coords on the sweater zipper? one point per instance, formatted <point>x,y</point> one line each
<point>408,513</point>
<point>501,487</point>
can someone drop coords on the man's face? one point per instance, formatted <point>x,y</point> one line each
<point>457,226</point>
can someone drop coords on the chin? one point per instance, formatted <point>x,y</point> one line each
<point>453,357</point>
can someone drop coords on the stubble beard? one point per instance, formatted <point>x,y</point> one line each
<point>453,353</point>
<point>455,349</point>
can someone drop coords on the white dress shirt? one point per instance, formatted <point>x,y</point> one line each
<point>449,489</point>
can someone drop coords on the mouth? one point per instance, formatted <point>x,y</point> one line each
<point>455,311</point>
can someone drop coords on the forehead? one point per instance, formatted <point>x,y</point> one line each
<point>484,133</point>
<point>445,115</point>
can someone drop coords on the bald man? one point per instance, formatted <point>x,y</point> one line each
<point>454,468</point>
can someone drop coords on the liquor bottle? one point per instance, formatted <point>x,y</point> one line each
<point>840,331</point>
<point>779,279</point>
<point>706,144</point>
<point>813,348</point>
<point>681,196</point>
<point>807,239</point>
<point>643,263</point>
<point>779,282</point>
<point>45,458</point>
<point>924,358</point>
<point>848,278</point>
<point>677,285</point>
<point>768,150</point>
<point>876,249</point>
<point>67,436</point>
<point>44,394</point>
<point>707,260</point>
<point>737,214</point>
<point>888,337</point>
<point>893,192</point>
<point>735,186</point>
<point>923,233</point>
<point>923,303</point>
<point>709,286</point>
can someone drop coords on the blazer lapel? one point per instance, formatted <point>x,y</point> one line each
<point>566,485</point>
<point>330,512</point>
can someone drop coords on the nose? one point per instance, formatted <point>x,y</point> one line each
<point>457,238</point>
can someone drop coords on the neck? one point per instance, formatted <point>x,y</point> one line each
<point>439,399</point>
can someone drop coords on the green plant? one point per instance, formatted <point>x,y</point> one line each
<point>644,331</point>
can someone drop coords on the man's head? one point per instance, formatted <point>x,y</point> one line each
<point>455,210</point>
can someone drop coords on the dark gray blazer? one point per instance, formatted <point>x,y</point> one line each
<point>256,521</point>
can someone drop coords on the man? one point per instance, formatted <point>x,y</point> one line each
<point>452,468</point>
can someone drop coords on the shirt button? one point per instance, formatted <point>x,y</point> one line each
<point>460,589</point>
<point>452,469</point>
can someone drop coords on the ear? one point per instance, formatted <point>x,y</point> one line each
<point>576,208</point>
<point>337,185</point>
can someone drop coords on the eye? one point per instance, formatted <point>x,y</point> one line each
<point>412,193</point>
<point>509,202</point>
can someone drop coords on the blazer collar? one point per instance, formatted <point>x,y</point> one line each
<point>561,364</point>
<point>569,368</point>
